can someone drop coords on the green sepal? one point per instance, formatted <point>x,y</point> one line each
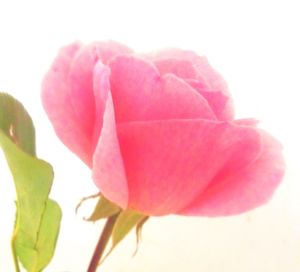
<point>103,209</point>
<point>126,221</point>
<point>138,232</point>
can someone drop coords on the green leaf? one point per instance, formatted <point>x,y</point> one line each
<point>38,217</point>
<point>48,233</point>
<point>103,209</point>
<point>16,123</point>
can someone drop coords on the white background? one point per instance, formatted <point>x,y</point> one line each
<point>254,44</point>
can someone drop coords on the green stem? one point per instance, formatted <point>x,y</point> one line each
<point>102,242</point>
<point>14,254</point>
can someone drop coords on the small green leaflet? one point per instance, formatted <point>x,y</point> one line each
<point>38,217</point>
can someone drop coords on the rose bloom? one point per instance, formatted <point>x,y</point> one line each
<point>158,131</point>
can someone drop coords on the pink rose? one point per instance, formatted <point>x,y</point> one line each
<point>158,131</point>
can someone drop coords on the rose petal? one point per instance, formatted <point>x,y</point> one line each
<point>101,87</point>
<point>181,68</point>
<point>199,74</point>
<point>81,79</point>
<point>179,101</point>
<point>108,169</point>
<point>56,101</point>
<point>214,79</point>
<point>239,191</point>
<point>217,100</point>
<point>247,122</point>
<point>169,163</point>
<point>139,93</point>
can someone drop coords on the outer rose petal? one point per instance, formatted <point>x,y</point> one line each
<point>139,93</point>
<point>101,87</point>
<point>108,169</point>
<point>81,80</point>
<point>246,122</point>
<point>245,189</point>
<point>169,163</point>
<point>56,101</point>
<point>197,71</point>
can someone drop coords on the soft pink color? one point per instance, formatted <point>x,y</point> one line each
<point>158,131</point>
